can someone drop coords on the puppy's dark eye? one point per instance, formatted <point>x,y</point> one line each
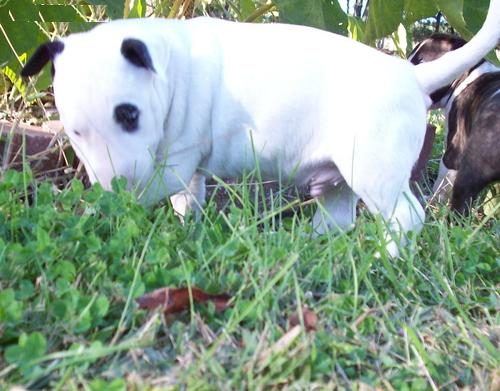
<point>127,116</point>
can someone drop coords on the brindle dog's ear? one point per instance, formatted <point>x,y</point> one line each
<point>45,53</point>
<point>136,51</point>
<point>434,47</point>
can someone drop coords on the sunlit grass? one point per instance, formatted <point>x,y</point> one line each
<point>71,263</point>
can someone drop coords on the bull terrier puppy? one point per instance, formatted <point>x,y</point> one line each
<point>166,103</point>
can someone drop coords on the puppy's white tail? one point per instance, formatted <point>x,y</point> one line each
<point>441,72</point>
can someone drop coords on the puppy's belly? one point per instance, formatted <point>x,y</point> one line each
<point>316,176</point>
<point>319,177</point>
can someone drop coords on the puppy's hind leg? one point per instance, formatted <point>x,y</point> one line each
<point>337,210</point>
<point>381,164</point>
<point>403,215</point>
<point>388,194</point>
<point>408,215</point>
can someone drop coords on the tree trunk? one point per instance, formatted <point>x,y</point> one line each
<point>365,13</point>
<point>358,7</point>
<point>438,21</point>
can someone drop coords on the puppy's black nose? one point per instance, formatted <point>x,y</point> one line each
<point>127,115</point>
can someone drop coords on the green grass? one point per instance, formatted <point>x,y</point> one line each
<point>72,262</point>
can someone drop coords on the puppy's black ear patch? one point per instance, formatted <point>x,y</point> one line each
<point>136,51</point>
<point>45,53</point>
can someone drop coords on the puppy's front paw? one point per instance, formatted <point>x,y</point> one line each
<point>391,249</point>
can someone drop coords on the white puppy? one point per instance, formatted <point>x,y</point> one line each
<point>166,103</point>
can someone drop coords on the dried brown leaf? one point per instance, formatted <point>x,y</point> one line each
<point>173,300</point>
<point>310,319</point>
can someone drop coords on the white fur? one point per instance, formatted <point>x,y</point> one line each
<point>226,94</point>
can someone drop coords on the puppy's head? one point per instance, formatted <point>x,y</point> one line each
<point>431,49</point>
<point>110,100</point>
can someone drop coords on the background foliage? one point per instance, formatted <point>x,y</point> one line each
<point>27,23</point>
